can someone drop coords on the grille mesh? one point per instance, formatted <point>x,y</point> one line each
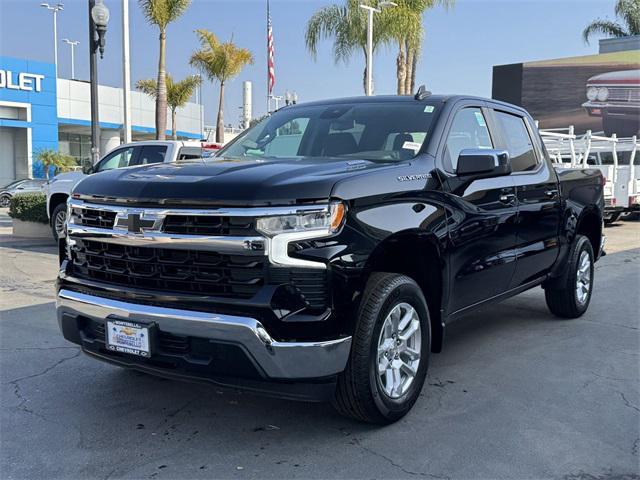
<point>185,271</point>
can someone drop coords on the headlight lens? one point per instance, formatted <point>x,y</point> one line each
<point>603,94</point>
<point>329,221</point>
<point>592,93</point>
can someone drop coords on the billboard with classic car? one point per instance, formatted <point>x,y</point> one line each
<point>600,93</point>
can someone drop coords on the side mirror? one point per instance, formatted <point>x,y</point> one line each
<point>87,169</point>
<point>483,163</point>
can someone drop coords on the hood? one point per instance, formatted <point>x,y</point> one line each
<point>226,182</point>
<point>624,77</point>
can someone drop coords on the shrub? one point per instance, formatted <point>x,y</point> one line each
<point>29,207</point>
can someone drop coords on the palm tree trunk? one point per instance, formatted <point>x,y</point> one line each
<point>220,121</point>
<point>409,63</point>
<point>401,68</point>
<point>174,130</point>
<point>413,73</point>
<point>161,98</point>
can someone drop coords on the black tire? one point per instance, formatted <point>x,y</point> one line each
<point>561,295</point>
<point>5,201</point>
<point>59,210</point>
<point>613,218</point>
<point>359,393</point>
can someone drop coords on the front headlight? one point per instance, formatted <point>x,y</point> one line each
<point>603,94</point>
<point>323,221</point>
<point>592,93</point>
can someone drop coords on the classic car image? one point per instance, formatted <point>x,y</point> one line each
<point>615,96</point>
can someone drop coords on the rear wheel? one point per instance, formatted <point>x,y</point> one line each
<point>390,352</point>
<point>570,294</point>
<point>58,221</point>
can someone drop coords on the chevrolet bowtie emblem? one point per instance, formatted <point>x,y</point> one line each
<point>135,222</point>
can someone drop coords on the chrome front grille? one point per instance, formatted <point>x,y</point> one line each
<point>624,94</point>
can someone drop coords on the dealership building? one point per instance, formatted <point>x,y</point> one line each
<point>39,111</point>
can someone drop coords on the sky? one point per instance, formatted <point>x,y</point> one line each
<point>461,46</point>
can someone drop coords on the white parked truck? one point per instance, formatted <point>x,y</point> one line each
<point>126,155</point>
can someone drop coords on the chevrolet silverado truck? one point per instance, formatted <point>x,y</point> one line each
<point>323,253</point>
<point>58,188</point>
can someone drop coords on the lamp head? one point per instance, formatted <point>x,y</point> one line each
<point>100,14</point>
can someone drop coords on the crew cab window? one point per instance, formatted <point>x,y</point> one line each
<point>518,142</point>
<point>117,159</point>
<point>468,130</point>
<point>152,154</point>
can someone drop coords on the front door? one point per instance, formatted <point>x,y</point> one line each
<point>482,227</point>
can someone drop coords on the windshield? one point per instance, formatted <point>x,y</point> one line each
<point>385,131</point>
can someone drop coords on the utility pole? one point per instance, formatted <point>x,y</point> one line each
<point>55,9</point>
<point>126,71</point>
<point>72,44</point>
<point>370,11</point>
<point>98,19</point>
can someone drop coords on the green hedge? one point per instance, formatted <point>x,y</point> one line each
<point>29,207</point>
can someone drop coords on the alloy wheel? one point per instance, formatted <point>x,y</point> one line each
<point>399,349</point>
<point>583,278</point>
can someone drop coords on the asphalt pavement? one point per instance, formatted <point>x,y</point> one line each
<point>516,394</point>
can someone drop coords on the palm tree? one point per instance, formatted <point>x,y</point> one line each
<point>628,11</point>
<point>221,62</point>
<point>178,94</point>
<point>347,24</point>
<point>403,25</point>
<point>161,13</point>
<point>52,160</point>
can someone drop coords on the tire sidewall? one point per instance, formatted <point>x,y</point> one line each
<point>53,220</point>
<point>582,245</point>
<point>392,408</point>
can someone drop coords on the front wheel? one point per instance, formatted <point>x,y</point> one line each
<point>58,221</point>
<point>5,201</point>
<point>570,294</point>
<point>389,354</point>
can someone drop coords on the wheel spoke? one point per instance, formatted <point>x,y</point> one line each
<point>406,318</point>
<point>408,333</point>
<point>410,353</point>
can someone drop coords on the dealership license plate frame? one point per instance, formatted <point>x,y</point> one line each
<point>145,349</point>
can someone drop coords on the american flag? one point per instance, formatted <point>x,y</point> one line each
<point>271,71</point>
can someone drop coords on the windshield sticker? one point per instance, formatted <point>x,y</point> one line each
<point>480,119</point>
<point>429,109</point>
<point>415,146</point>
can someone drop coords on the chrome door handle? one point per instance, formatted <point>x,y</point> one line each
<point>551,193</point>
<point>508,198</point>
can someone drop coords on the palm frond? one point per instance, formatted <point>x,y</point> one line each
<point>163,12</point>
<point>219,61</point>
<point>604,27</point>
<point>148,86</point>
<point>629,11</point>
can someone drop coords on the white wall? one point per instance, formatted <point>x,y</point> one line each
<point>74,103</point>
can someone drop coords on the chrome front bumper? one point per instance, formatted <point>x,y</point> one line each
<point>278,360</point>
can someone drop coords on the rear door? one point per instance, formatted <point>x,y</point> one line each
<point>539,202</point>
<point>483,223</point>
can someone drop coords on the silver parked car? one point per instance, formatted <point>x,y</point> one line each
<point>20,186</point>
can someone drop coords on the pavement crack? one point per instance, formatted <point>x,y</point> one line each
<point>398,466</point>
<point>628,403</point>
<point>16,384</point>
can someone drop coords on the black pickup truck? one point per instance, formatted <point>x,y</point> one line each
<point>322,253</point>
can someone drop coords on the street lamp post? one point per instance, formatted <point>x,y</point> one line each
<point>370,11</point>
<point>98,20</point>
<point>55,9</point>
<point>72,44</point>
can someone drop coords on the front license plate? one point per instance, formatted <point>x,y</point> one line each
<point>128,337</point>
